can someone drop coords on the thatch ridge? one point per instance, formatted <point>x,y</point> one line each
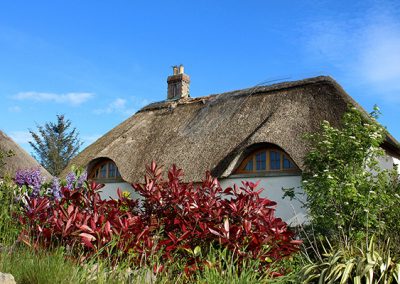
<point>20,160</point>
<point>254,91</point>
<point>213,132</point>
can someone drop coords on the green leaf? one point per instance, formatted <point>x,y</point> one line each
<point>197,251</point>
<point>346,272</point>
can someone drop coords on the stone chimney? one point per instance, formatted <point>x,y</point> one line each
<point>178,84</point>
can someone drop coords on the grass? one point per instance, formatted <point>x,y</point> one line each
<point>54,266</point>
<point>9,229</point>
<point>28,266</point>
<point>57,266</point>
<point>224,268</point>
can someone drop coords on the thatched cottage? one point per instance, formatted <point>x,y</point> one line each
<point>253,134</point>
<point>20,160</point>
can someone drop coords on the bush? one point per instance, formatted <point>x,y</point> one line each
<point>352,264</point>
<point>178,220</point>
<point>9,228</point>
<point>348,195</point>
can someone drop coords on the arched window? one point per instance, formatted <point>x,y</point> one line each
<point>106,171</point>
<point>267,160</point>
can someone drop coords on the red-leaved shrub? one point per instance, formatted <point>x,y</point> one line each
<point>175,218</point>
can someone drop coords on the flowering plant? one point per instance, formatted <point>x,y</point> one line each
<point>32,184</point>
<point>349,194</point>
<point>31,180</point>
<point>176,219</point>
<point>75,178</point>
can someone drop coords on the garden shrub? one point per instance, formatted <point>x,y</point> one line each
<point>9,229</point>
<point>353,264</point>
<point>348,195</point>
<point>178,220</point>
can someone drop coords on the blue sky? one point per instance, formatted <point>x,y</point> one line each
<point>98,62</point>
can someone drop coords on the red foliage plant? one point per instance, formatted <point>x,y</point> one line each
<point>173,218</point>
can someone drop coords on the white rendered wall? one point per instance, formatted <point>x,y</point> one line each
<point>290,211</point>
<point>110,190</point>
<point>397,162</point>
<point>386,162</point>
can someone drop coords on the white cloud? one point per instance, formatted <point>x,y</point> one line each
<point>123,106</point>
<point>379,57</point>
<point>14,109</point>
<point>365,49</point>
<point>21,137</point>
<point>89,139</point>
<point>327,39</point>
<point>74,99</point>
<point>118,105</point>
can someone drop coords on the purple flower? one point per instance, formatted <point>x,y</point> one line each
<point>81,179</point>
<point>70,178</point>
<point>56,189</point>
<point>75,181</point>
<point>19,178</point>
<point>31,178</point>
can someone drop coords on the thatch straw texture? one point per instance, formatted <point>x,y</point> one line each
<point>213,132</point>
<point>20,160</point>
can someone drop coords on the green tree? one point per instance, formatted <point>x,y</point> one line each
<point>348,194</point>
<point>55,144</point>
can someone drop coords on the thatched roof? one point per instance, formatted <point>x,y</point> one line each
<point>20,160</point>
<point>213,132</point>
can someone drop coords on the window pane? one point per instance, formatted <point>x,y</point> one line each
<point>103,171</point>
<point>111,170</point>
<point>118,174</point>
<point>249,166</point>
<point>287,164</point>
<point>275,160</point>
<point>261,159</point>
<point>264,161</point>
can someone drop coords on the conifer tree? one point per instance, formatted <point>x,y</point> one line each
<point>55,144</point>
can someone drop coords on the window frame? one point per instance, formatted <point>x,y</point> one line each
<point>241,169</point>
<point>97,167</point>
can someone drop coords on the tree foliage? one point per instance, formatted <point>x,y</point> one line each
<point>55,144</point>
<point>348,193</point>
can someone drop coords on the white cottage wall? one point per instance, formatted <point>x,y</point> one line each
<point>397,162</point>
<point>290,211</point>
<point>110,190</point>
<point>386,162</point>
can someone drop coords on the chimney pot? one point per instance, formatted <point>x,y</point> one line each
<point>178,84</point>
<point>175,70</point>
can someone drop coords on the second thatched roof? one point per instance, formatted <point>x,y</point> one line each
<point>20,160</point>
